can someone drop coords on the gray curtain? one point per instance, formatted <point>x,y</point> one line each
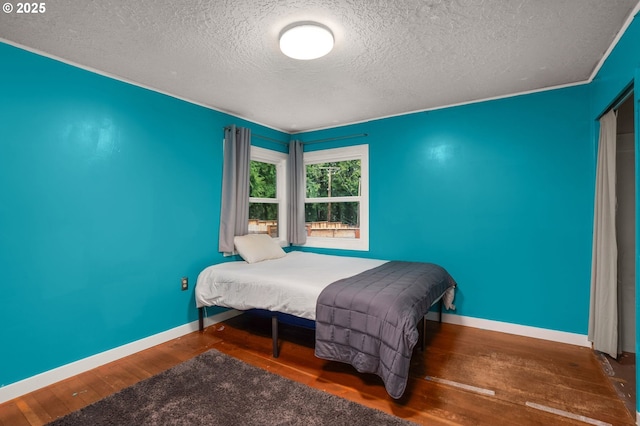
<point>603,309</point>
<point>234,211</point>
<point>297,232</point>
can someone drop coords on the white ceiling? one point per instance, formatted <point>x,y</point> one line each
<point>390,57</point>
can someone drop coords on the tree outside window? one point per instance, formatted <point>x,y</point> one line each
<point>267,193</point>
<point>335,188</point>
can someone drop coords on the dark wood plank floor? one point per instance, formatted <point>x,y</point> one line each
<point>476,377</point>
<point>622,375</point>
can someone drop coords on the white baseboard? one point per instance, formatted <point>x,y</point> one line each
<point>47,378</point>
<point>520,330</point>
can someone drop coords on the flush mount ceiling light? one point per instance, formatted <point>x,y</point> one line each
<point>306,40</point>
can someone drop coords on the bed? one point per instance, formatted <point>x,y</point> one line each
<point>366,311</point>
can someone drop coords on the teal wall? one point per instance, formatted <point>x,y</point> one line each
<point>500,193</point>
<point>109,195</point>
<point>618,70</point>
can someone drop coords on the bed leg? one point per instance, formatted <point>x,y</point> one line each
<point>274,335</point>
<point>440,311</point>
<point>201,319</point>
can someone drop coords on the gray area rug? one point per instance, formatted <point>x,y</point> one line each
<point>216,389</point>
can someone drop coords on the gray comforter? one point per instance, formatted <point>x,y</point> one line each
<point>370,320</point>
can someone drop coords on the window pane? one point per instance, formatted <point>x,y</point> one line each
<point>335,179</point>
<point>263,218</point>
<point>332,220</point>
<point>262,180</point>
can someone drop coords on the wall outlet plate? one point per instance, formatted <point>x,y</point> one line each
<point>184,283</point>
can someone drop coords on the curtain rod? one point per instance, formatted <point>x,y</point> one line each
<point>337,138</point>
<point>263,137</point>
<point>270,139</point>
<point>358,135</point>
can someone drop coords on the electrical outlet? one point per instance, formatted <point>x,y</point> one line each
<point>185,283</point>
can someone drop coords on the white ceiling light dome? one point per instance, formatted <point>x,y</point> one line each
<point>306,40</point>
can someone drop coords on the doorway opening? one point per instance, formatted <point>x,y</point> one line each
<point>622,371</point>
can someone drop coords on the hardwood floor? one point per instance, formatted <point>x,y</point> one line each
<point>622,375</point>
<point>476,377</point>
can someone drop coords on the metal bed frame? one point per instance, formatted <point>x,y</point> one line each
<point>274,326</point>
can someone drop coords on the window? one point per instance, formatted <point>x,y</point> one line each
<point>337,199</point>
<point>267,193</point>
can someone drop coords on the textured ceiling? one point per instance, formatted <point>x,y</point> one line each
<point>391,57</point>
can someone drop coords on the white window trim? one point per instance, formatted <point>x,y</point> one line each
<point>280,160</point>
<point>357,152</point>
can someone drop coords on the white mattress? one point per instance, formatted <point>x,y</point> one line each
<point>290,284</point>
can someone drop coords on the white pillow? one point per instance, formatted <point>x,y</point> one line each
<point>257,247</point>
